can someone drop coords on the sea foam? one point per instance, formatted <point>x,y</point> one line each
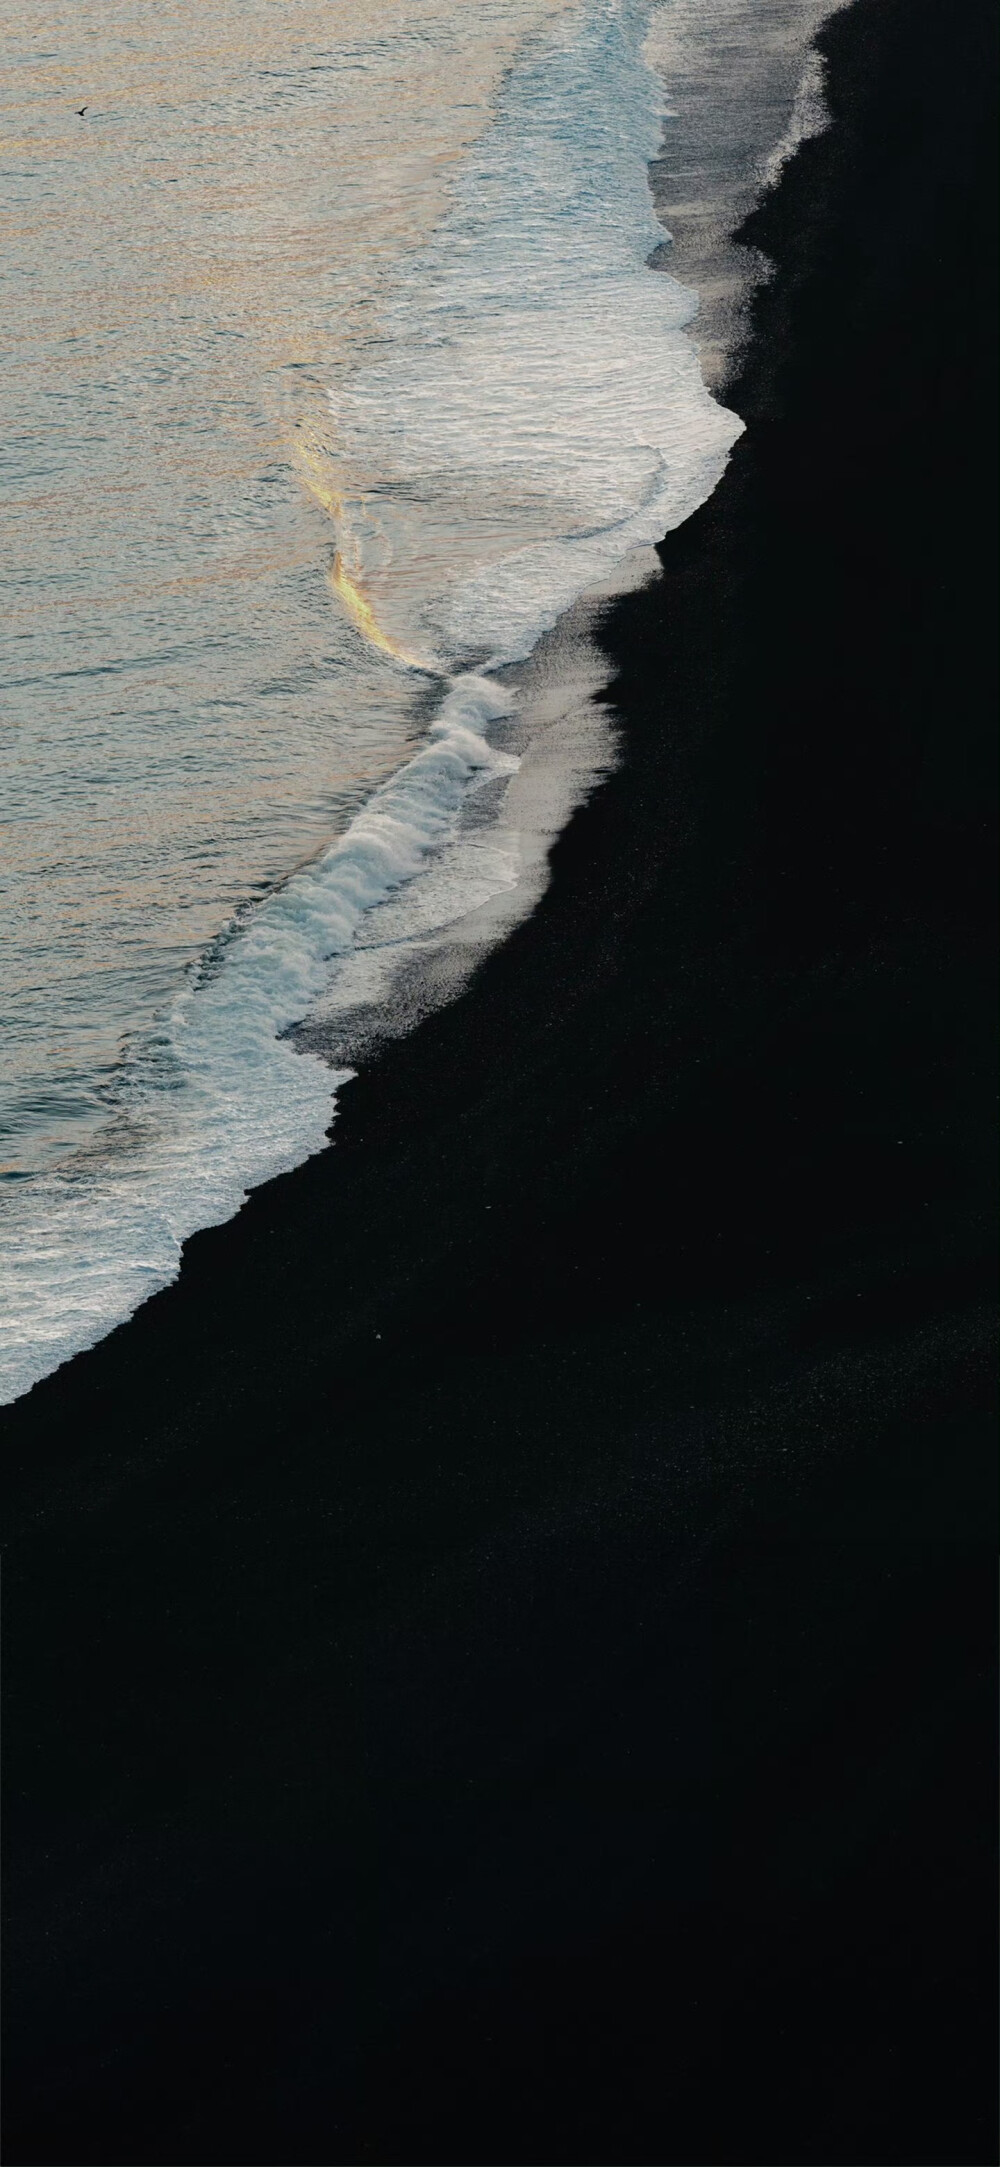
<point>220,1100</point>
<point>529,354</point>
<point>529,364</point>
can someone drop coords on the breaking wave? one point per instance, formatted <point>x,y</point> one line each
<point>531,366</point>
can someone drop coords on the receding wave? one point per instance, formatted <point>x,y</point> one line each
<point>219,1101</point>
<point>525,412</point>
<point>528,358</point>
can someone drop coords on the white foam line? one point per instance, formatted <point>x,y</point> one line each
<point>222,1102</point>
<point>809,116</point>
<point>530,355</point>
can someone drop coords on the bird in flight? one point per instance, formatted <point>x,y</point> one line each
<point>80,109</point>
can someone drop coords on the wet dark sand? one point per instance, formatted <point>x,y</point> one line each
<point>500,1658</point>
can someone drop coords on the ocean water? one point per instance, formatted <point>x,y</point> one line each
<point>339,373</point>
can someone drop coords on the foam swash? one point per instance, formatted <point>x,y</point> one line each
<point>520,411</point>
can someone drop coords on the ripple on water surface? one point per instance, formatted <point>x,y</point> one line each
<point>340,374</point>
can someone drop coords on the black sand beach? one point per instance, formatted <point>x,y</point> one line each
<point>500,1658</point>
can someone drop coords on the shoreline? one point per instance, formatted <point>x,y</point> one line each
<point>202,1095</point>
<point>499,1654</point>
<point>439,940</point>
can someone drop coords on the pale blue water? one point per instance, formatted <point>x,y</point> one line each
<point>338,374</point>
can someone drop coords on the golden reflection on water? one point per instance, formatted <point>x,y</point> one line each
<point>237,187</point>
<point>189,267</point>
<point>319,478</point>
<point>361,614</point>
